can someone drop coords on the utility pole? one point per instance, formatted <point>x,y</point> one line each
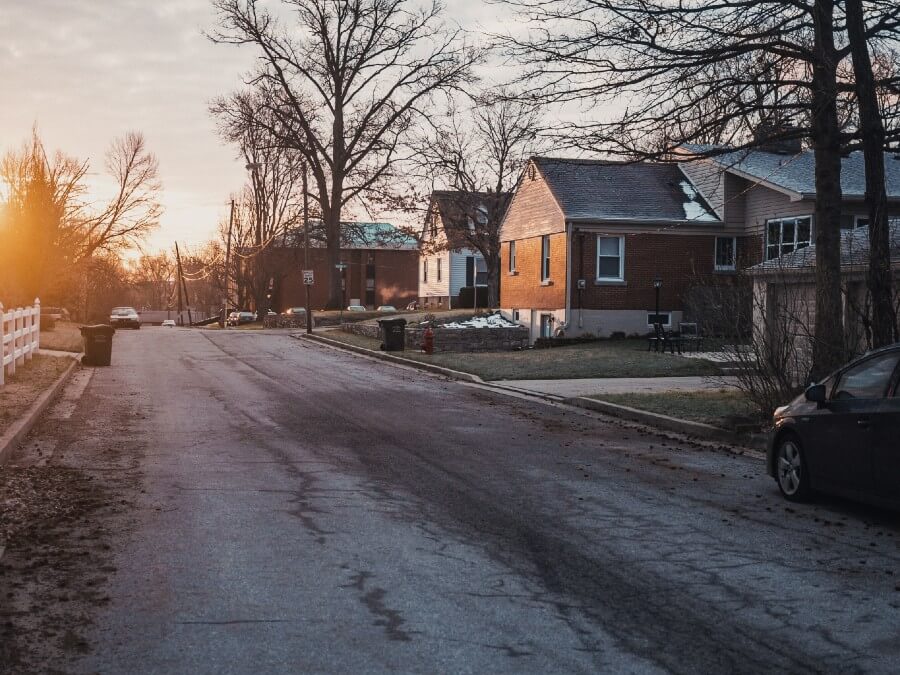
<point>183,286</point>
<point>178,285</point>
<point>227,268</point>
<point>306,247</point>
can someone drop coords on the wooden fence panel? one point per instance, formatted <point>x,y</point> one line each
<point>20,337</point>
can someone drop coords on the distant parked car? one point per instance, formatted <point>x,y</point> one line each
<point>238,318</point>
<point>387,308</point>
<point>295,310</point>
<point>356,308</point>
<point>125,317</point>
<point>168,323</point>
<point>840,436</point>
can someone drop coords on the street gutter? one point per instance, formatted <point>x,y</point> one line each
<point>707,432</point>
<point>11,437</point>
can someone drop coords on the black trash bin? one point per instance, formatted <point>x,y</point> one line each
<point>97,345</point>
<point>393,334</point>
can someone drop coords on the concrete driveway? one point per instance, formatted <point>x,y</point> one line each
<point>264,505</point>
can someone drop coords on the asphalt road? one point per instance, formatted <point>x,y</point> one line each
<point>299,509</point>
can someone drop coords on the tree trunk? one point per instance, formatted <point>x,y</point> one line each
<point>871,129</point>
<point>493,281</point>
<point>828,342</point>
<point>333,249</point>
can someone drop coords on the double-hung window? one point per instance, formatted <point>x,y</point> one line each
<point>726,249</point>
<point>545,257</point>
<point>512,257</point>
<point>610,258</point>
<point>439,269</point>
<point>786,235</point>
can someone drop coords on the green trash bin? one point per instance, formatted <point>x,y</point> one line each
<point>393,334</point>
<point>97,345</point>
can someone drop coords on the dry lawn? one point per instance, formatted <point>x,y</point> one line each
<point>26,386</point>
<point>717,408</point>
<point>606,358</point>
<point>64,337</point>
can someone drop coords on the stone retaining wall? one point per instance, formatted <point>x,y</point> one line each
<point>287,321</point>
<point>455,339</point>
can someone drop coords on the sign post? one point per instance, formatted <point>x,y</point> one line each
<point>341,266</point>
<point>308,280</point>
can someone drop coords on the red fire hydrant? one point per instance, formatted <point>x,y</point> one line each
<point>428,341</point>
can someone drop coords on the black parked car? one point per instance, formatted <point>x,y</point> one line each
<point>843,435</point>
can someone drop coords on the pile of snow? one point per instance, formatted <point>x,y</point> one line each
<point>693,209</point>
<point>492,321</point>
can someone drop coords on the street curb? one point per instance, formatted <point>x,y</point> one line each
<point>383,356</point>
<point>695,429</point>
<point>687,427</point>
<point>20,429</point>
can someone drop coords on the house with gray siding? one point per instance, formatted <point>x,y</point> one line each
<point>767,201</point>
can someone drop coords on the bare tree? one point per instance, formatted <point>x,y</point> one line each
<point>274,193</point>
<point>477,155</point>
<point>153,279</point>
<point>352,77</point>
<point>712,66</point>
<point>48,223</point>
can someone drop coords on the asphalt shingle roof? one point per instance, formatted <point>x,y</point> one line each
<point>854,252</point>
<point>596,190</point>
<point>355,235</point>
<point>796,173</point>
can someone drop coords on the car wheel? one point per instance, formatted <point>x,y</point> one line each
<point>790,469</point>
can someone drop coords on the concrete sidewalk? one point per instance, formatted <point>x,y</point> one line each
<point>617,385</point>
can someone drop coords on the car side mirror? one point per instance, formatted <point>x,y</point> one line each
<point>816,393</point>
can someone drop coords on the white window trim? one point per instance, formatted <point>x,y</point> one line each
<point>725,268</point>
<point>856,220</point>
<point>621,275</point>
<point>425,271</point>
<point>780,221</point>
<point>545,257</point>
<point>439,270</point>
<point>512,257</point>
<point>668,324</point>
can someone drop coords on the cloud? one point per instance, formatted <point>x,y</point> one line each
<point>87,71</point>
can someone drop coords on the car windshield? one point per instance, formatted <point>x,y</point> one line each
<point>119,311</point>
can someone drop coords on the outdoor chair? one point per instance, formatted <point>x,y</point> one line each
<point>691,336</point>
<point>662,339</point>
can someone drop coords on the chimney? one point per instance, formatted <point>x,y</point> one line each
<point>777,138</point>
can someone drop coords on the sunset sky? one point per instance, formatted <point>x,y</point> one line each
<point>87,71</point>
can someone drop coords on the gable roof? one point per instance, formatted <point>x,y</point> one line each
<point>854,253</point>
<point>795,173</point>
<point>597,190</point>
<point>451,206</point>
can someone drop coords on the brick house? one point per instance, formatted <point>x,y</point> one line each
<point>583,240</point>
<point>381,264</point>
<point>446,262</point>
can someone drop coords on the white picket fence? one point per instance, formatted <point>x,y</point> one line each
<point>20,337</point>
